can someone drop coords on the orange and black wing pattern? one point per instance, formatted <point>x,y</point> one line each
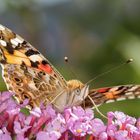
<point>26,71</point>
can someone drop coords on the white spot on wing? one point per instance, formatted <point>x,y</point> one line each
<point>128,93</point>
<point>14,42</point>
<point>121,98</point>
<point>47,78</point>
<point>2,27</point>
<point>32,86</point>
<point>19,39</point>
<point>110,101</point>
<point>138,96</point>
<point>131,97</point>
<point>35,58</point>
<point>113,89</point>
<point>133,88</point>
<point>3,43</point>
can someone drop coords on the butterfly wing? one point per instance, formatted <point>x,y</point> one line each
<point>26,70</point>
<point>111,94</point>
<point>15,50</point>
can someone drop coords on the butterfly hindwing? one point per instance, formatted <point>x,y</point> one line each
<point>30,83</point>
<point>111,94</point>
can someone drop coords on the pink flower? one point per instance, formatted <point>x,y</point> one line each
<point>57,124</point>
<point>97,127</point>
<point>121,135</point>
<point>47,136</point>
<point>4,134</point>
<point>21,137</point>
<point>78,120</point>
<point>138,124</point>
<point>74,123</point>
<point>103,136</point>
<point>18,129</point>
<point>5,137</point>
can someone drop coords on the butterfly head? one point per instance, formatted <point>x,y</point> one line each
<point>78,92</point>
<point>74,95</point>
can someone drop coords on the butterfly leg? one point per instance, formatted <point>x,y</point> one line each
<point>84,105</point>
<point>95,106</point>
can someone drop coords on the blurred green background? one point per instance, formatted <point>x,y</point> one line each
<point>96,35</point>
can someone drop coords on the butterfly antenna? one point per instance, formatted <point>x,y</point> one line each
<point>95,106</point>
<point>70,69</point>
<point>117,67</point>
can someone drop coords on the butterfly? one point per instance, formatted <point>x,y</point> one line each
<point>31,76</point>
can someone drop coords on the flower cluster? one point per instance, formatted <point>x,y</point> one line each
<point>74,123</point>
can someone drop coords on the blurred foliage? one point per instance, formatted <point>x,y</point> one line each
<point>96,35</point>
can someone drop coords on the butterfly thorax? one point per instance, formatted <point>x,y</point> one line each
<point>73,84</point>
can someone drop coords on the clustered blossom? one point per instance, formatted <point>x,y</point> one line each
<point>74,123</point>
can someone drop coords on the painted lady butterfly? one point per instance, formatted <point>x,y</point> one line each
<point>29,75</point>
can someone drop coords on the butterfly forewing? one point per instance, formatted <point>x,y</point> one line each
<point>26,71</point>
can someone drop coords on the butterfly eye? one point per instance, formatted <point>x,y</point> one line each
<point>77,91</point>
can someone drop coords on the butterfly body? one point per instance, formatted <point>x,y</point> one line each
<point>30,75</point>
